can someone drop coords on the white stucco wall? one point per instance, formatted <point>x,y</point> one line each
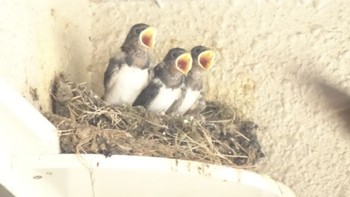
<point>273,57</point>
<point>273,61</point>
<point>38,39</point>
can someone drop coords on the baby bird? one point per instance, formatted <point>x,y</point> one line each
<point>192,99</point>
<point>128,73</point>
<point>165,86</point>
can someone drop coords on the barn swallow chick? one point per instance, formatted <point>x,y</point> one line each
<point>165,87</point>
<point>192,99</point>
<point>128,73</point>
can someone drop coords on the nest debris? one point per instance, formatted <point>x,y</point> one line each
<point>86,124</point>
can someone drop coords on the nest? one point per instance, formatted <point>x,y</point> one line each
<point>86,124</point>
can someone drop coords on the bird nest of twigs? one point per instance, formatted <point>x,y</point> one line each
<point>220,135</point>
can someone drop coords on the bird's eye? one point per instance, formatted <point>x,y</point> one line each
<point>175,54</point>
<point>137,30</point>
<point>198,50</point>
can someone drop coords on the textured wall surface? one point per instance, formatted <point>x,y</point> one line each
<point>38,39</point>
<point>284,63</point>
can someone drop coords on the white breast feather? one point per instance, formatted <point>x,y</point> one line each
<point>164,99</point>
<point>126,85</point>
<point>191,97</point>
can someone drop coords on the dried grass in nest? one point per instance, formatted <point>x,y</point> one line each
<point>88,125</point>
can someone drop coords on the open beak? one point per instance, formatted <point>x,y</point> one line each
<point>148,37</point>
<point>206,59</point>
<point>184,63</point>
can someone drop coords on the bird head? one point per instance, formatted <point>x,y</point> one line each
<point>203,56</point>
<point>141,34</point>
<point>181,60</point>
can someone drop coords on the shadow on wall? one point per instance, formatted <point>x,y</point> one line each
<point>70,42</point>
<point>337,100</point>
<point>4,192</point>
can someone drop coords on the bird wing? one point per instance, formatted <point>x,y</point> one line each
<point>114,65</point>
<point>148,94</point>
<point>150,74</point>
<point>152,89</point>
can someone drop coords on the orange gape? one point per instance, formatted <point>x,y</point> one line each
<point>182,64</point>
<point>147,40</point>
